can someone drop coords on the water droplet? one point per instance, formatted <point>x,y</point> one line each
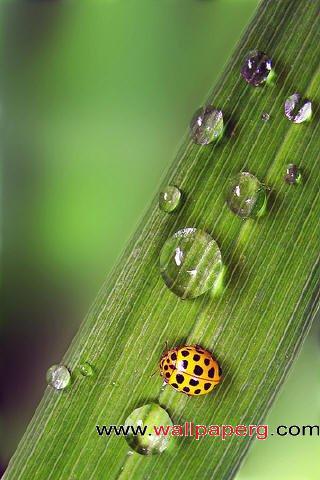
<point>169,198</point>
<point>149,415</point>
<point>297,109</point>
<point>206,125</point>
<point>265,116</point>
<point>190,263</point>
<point>58,377</point>
<point>293,174</point>
<point>246,196</point>
<point>256,68</point>
<point>85,369</point>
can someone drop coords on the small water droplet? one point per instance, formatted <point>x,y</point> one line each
<point>85,369</point>
<point>297,109</point>
<point>293,174</point>
<point>190,263</point>
<point>246,196</point>
<point>206,125</point>
<point>256,68</point>
<point>149,415</point>
<point>58,377</point>
<point>169,198</point>
<point>265,116</point>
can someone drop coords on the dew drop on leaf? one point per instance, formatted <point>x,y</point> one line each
<point>190,263</point>
<point>150,443</point>
<point>169,198</point>
<point>265,117</point>
<point>206,125</point>
<point>58,377</point>
<point>293,174</point>
<point>86,369</point>
<point>297,109</point>
<point>256,68</point>
<point>246,196</point>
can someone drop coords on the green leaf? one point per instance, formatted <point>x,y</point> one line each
<point>255,328</point>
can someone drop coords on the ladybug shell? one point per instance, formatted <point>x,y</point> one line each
<point>190,369</point>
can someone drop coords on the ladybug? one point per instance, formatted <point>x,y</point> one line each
<point>190,369</point>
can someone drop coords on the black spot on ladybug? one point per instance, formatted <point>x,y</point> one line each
<point>171,366</point>
<point>198,370</point>
<point>186,389</point>
<point>207,386</point>
<point>184,364</point>
<point>196,392</point>
<point>168,374</point>
<point>168,360</point>
<point>184,353</point>
<point>175,385</point>
<point>179,378</point>
<point>194,382</point>
<point>206,361</point>
<point>211,373</point>
<point>166,367</point>
<point>196,357</point>
<point>174,356</point>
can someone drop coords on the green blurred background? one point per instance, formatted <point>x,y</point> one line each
<point>95,101</point>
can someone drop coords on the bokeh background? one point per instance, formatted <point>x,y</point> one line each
<point>96,97</point>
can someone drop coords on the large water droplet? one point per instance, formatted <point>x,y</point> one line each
<point>85,369</point>
<point>293,174</point>
<point>58,377</point>
<point>190,263</point>
<point>169,198</point>
<point>296,109</point>
<point>206,125</point>
<point>149,415</point>
<point>246,196</point>
<point>256,68</point>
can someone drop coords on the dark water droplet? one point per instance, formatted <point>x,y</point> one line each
<point>149,415</point>
<point>265,117</point>
<point>246,196</point>
<point>58,377</point>
<point>169,198</point>
<point>206,125</point>
<point>293,174</point>
<point>256,68</point>
<point>297,109</point>
<point>190,263</point>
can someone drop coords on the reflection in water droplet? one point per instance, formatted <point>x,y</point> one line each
<point>58,377</point>
<point>256,68</point>
<point>265,116</point>
<point>85,369</point>
<point>293,174</point>
<point>149,415</point>
<point>206,125</point>
<point>296,109</point>
<point>190,263</point>
<point>246,196</point>
<point>169,198</point>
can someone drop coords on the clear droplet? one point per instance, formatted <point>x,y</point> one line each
<point>85,369</point>
<point>246,196</point>
<point>206,125</point>
<point>150,443</point>
<point>58,377</point>
<point>265,117</point>
<point>169,198</point>
<point>190,263</point>
<point>297,109</point>
<point>293,174</point>
<point>256,68</point>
